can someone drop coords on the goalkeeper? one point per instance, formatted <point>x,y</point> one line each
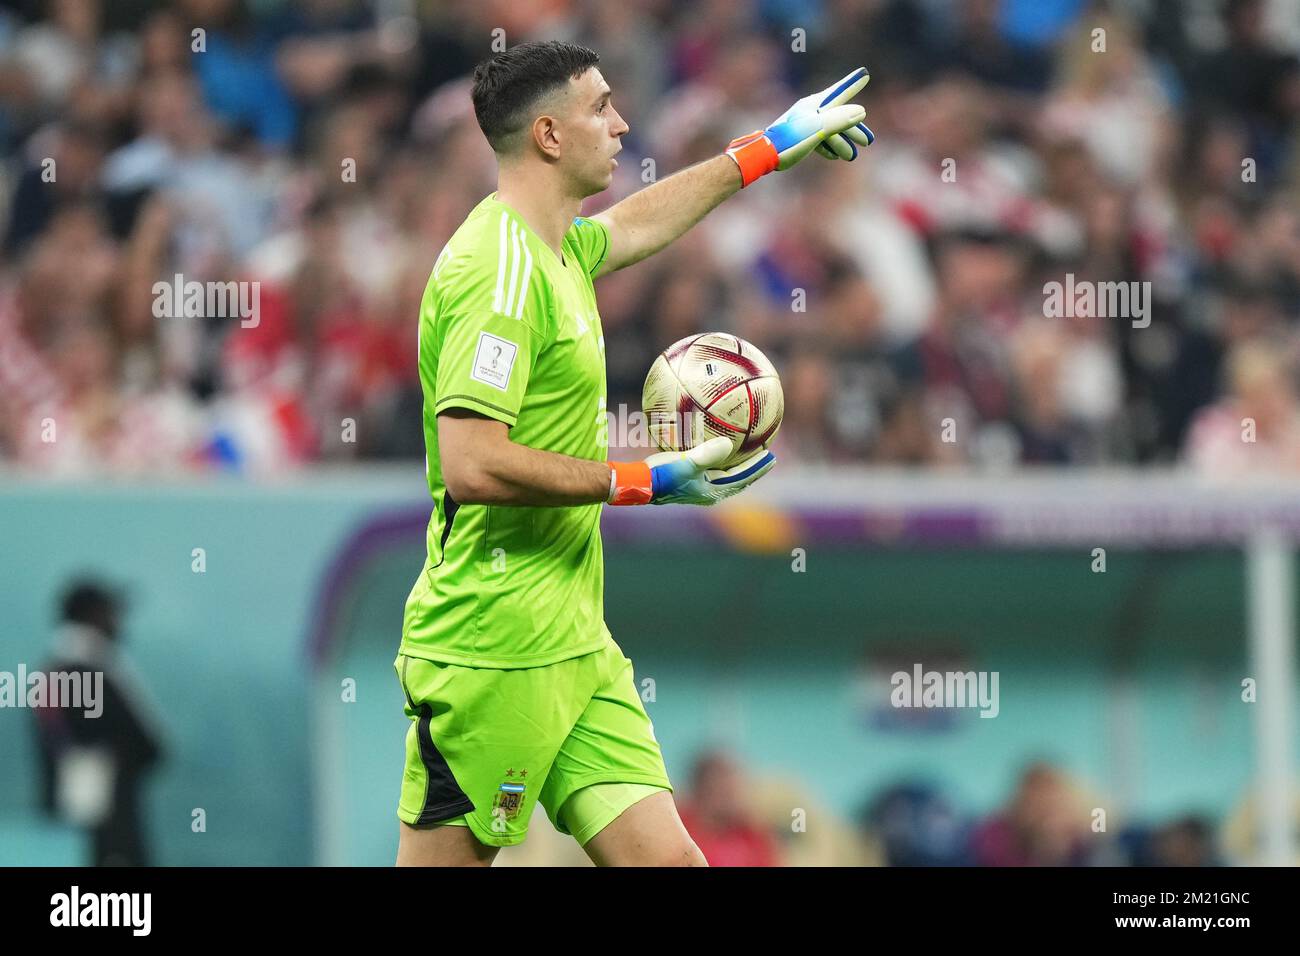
<point>516,692</point>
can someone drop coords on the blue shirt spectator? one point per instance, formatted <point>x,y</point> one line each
<point>242,88</point>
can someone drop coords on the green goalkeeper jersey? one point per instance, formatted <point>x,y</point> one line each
<point>509,330</point>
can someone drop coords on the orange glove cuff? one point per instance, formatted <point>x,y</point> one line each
<point>754,154</point>
<point>629,483</point>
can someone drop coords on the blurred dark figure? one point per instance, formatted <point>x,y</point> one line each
<point>1253,80</point>
<point>980,47</point>
<point>718,816</point>
<point>1186,841</point>
<point>94,761</point>
<point>918,826</point>
<point>78,155</point>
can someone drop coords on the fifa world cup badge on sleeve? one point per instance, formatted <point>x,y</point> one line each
<point>493,360</point>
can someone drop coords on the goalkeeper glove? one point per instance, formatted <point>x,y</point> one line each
<point>685,478</point>
<point>824,121</point>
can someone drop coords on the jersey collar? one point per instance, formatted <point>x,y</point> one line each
<point>514,214</point>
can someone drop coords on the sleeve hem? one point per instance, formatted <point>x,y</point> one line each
<point>498,412</point>
<point>604,253</point>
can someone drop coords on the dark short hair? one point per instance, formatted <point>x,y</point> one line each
<point>508,85</point>
<point>88,601</point>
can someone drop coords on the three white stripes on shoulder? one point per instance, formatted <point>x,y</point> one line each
<point>514,304</point>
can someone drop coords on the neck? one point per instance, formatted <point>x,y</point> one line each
<point>542,201</point>
<point>81,642</point>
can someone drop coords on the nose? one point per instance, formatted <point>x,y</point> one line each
<point>620,127</point>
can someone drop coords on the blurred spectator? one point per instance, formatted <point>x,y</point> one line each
<point>1186,841</point>
<point>1251,79</point>
<point>236,69</point>
<point>66,173</point>
<point>917,826</point>
<point>1256,427</point>
<point>65,61</point>
<point>1242,831</point>
<point>981,47</point>
<point>1109,103</point>
<point>95,759</point>
<point>1044,824</point>
<point>808,832</point>
<point>718,814</point>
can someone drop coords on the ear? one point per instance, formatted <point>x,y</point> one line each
<point>546,134</point>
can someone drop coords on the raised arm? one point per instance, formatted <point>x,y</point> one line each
<point>650,219</point>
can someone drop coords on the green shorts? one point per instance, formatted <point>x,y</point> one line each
<point>486,744</point>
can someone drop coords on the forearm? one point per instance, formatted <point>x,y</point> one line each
<point>658,214</point>
<point>514,474</point>
<point>501,472</point>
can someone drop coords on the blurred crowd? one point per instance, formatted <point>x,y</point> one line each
<point>326,149</point>
<point>746,817</point>
<point>1048,818</point>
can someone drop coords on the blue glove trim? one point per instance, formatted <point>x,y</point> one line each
<point>669,477</point>
<point>848,81</point>
<point>656,482</point>
<point>731,479</point>
<point>871,137</point>
<point>793,131</point>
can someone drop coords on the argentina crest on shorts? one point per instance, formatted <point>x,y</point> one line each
<point>509,798</point>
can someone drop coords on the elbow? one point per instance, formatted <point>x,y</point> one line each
<point>473,452</point>
<point>469,483</point>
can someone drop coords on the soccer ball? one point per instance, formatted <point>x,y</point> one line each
<point>709,385</point>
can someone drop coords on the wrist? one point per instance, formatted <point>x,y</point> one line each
<point>754,154</point>
<point>630,483</point>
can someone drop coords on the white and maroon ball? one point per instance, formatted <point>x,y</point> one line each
<point>709,385</point>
